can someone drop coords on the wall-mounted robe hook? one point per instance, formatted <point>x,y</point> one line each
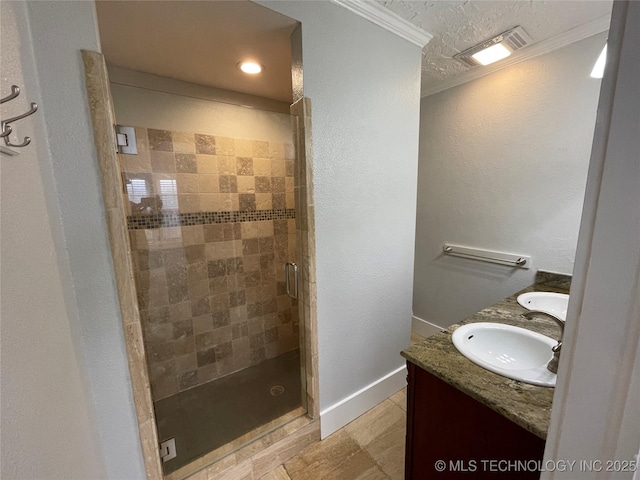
<point>25,142</point>
<point>34,109</point>
<point>15,91</point>
<point>7,129</point>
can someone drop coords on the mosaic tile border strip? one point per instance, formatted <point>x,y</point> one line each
<point>141,222</point>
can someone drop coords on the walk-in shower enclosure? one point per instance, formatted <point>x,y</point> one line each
<point>210,207</point>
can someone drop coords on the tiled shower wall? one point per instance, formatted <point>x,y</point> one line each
<point>211,223</point>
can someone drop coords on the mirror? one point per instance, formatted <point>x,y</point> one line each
<point>503,167</point>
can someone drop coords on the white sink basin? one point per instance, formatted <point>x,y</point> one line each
<point>509,351</point>
<point>553,303</point>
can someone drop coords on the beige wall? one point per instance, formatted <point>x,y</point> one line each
<point>364,85</point>
<point>48,425</point>
<point>167,111</point>
<point>52,35</point>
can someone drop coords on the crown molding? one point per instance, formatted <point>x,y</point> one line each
<point>535,50</point>
<point>385,18</point>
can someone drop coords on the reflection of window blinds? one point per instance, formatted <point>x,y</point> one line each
<point>169,194</point>
<point>137,189</point>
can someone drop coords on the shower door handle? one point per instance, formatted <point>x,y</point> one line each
<point>287,268</point>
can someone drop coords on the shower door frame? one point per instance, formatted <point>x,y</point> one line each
<point>103,120</point>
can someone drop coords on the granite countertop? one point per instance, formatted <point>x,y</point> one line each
<point>526,405</point>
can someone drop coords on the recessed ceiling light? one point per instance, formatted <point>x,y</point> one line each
<point>494,49</point>
<point>598,68</point>
<point>251,68</point>
<point>492,54</point>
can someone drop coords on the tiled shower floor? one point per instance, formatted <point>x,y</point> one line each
<point>206,417</point>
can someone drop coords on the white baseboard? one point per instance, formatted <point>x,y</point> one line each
<point>424,328</point>
<point>339,414</point>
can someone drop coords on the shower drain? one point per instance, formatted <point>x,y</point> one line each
<point>276,391</point>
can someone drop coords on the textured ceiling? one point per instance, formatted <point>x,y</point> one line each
<point>200,42</point>
<point>459,24</point>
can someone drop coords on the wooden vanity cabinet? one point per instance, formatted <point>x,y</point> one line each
<point>444,424</point>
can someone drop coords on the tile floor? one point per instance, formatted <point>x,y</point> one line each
<point>369,448</point>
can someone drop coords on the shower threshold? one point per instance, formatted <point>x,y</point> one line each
<point>209,416</point>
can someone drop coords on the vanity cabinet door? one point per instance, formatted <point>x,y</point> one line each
<point>448,430</point>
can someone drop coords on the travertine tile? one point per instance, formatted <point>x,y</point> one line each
<point>246,184</point>
<point>278,453</point>
<point>262,167</point>
<point>276,150</point>
<point>142,141</point>
<point>185,163</point>
<point>289,150</point>
<point>322,458</point>
<point>263,184</point>
<point>400,399</point>
<point>260,149</point>
<point>226,165</point>
<point>359,465</point>
<point>232,231</point>
<point>208,183</point>
<point>188,203</point>
<point>247,201</point>
<point>220,466</point>
<point>192,235</point>
<point>210,202</point>
<point>250,450</point>
<point>289,166</point>
<point>205,144</point>
<point>241,471</point>
<point>289,184</point>
<point>187,182</point>
<point>202,324</point>
<point>340,457</point>
<point>290,200</point>
<point>374,473</point>
<point>278,474</point>
<point>244,166</point>
<point>388,450</point>
<point>199,475</point>
<point>162,162</point>
<point>160,140</point>
<point>183,142</point>
<point>140,163</point>
<point>265,228</point>
<point>225,146</point>
<point>415,338</point>
<point>235,203</point>
<point>278,167</point>
<point>263,201</point>
<point>206,164</point>
<point>279,201</point>
<point>375,422</point>
<point>243,148</point>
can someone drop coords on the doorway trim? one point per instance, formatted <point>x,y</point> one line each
<point>294,435</point>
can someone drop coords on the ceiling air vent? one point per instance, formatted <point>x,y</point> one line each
<point>503,45</point>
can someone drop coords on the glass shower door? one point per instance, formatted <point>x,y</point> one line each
<point>212,225</point>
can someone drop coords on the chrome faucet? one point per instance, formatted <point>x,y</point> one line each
<point>552,366</point>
